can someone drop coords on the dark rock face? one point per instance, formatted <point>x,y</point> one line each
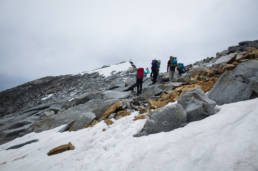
<point>61,88</point>
<point>49,102</point>
<point>22,144</point>
<point>236,85</point>
<point>242,45</point>
<point>239,48</point>
<point>164,119</point>
<point>197,105</point>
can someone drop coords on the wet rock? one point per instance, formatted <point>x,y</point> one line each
<point>197,105</point>
<point>164,119</point>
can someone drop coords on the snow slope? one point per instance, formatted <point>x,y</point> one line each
<point>225,141</point>
<point>107,71</point>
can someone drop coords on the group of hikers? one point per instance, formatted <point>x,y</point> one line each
<point>172,65</point>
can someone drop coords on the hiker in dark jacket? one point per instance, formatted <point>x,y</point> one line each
<point>155,65</point>
<point>171,66</point>
<point>139,79</point>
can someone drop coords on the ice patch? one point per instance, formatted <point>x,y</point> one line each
<point>47,97</point>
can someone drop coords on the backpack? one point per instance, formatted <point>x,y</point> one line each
<point>173,62</point>
<point>181,66</point>
<point>158,63</point>
<point>140,73</point>
<point>154,64</point>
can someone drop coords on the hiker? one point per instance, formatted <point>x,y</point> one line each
<point>155,65</point>
<point>171,66</point>
<point>181,68</point>
<point>139,79</point>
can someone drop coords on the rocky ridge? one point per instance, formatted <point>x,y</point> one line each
<point>83,100</point>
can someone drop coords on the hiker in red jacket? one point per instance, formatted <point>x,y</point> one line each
<point>139,79</point>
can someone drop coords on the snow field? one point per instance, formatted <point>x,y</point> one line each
<point>225,141</point>
<point>112,69</point>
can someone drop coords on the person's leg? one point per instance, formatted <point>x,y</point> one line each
<point>155,77</point>
<point>171,75</point>
<point>140,86</point>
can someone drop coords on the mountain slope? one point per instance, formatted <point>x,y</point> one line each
<point>56,110</point>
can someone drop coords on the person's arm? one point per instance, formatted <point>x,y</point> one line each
<point>146,72</point>
<point>167,66</point>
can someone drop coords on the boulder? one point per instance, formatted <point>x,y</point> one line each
<point>254,88</point>
<point>197,105</point>
<point>236,85</point>
<point>102,107</point>
<point>150,91</point>
<point>164,119</point>
<point>85,119</point>
<point>76,117</point>
<point>163,77</point>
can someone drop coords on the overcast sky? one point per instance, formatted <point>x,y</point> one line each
<point>51,37</point>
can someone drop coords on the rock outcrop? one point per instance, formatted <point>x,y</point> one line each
<point>197,105</point>
<point>83,100</point>
<point>236,85</point>
<point>164,119</point>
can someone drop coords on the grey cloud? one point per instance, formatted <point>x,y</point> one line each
<point>53,37</point>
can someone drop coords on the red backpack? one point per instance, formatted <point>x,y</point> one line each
<point>140,73</point>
